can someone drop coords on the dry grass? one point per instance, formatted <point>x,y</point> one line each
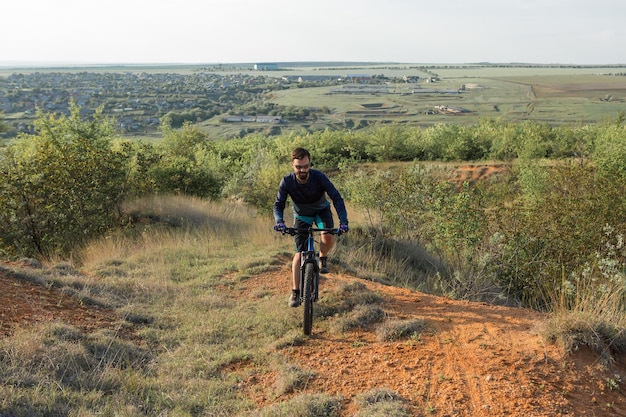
<point>361,316</point>
<point>163,275</point>
<point>594,320</point>
<point>292,379</point>
<point>55,366</point>
<point>303,406</point>
<point>345,299</point>
<point>380,402</point>
<point>179,223</point>
<point>392,262</point>
<point>395,329</point>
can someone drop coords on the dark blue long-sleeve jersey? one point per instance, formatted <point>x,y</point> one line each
<point>309,198</point>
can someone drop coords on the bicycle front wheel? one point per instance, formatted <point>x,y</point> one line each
<point>307,297</point>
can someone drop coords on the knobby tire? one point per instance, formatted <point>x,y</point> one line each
<point>307,298</point>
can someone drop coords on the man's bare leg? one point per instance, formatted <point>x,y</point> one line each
<point>326,244</point>
<point>295,271</point>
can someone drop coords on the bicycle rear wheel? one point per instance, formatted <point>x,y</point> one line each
<point>307,298</point>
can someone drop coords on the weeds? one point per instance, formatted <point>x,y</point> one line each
<point>614,383</point>
<point>377,395</point>
<point>381,402</point>
<point>360,317</point>
<point>292,379</point>
<point>345,299</point>
<point>404,263</point>
<point>391,330</point>
<point>302,406</point>
<point>55,366</point>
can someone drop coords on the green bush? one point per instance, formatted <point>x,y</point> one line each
<point>183,163</point>
<point>556,228</point>
<point>389,143</point>
<point>61,186</point>
<point>610,153</point>
<point>455,143</point>
<point>394,201</point>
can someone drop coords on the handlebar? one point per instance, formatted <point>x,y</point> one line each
<point>295,230</point>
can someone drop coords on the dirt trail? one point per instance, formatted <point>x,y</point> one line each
<point>473,360</point>
<point>27,303</point>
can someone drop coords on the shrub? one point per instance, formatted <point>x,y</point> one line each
<point>589,304</point>
<point>182,163</point>
<point>61,186</point>
<point>394,201</point>
<point>554,229</point>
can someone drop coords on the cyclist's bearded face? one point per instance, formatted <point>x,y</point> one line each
<point>301,167</point>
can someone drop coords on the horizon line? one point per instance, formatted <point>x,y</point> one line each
<point>61,64</point>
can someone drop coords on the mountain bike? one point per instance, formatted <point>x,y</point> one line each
<point>309,272</point>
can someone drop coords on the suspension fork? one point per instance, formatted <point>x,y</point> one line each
<point>310,256</point>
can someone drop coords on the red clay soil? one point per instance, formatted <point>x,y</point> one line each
<point>472,173</point>
<point>474,359</point>
<point>27,303</point>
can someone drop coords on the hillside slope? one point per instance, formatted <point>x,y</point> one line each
<point>473,359</point>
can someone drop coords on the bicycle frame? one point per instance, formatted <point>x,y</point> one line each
<point>310,256</point>
<point>309,291</point>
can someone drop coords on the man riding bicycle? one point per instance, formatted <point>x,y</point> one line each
<point>308,189</point>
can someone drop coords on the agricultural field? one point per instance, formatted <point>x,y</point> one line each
<point>335,96</point>
<point>556,97</point>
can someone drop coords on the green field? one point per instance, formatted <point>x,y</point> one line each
<point>555,96</point>
<point>558,96</point>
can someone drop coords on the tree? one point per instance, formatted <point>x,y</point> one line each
<point>388,143</point>
<point>184,163</point>
<point>61,186</point>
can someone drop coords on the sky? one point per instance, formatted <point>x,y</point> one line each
<point>579,32</point>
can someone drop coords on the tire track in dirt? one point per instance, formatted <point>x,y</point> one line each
<point>468,338</point>
<point>474,360</point>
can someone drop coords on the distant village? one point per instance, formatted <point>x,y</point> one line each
<point>138,100</point>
